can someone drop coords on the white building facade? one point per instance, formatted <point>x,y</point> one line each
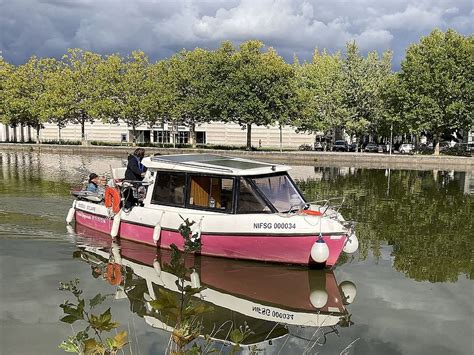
<point>215,133</point>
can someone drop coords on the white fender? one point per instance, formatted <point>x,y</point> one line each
<point>352,244</point>
<point>197,229</point>
<point>320,251</point>
<point>71,213</point>
<point>195,280</point>
<point>116,254</point>
<point>70,230</point>
<point>349,291</point>
<point>157,267</point>
<point>157,229</point>
<point>115,225</point>
<point>318,298</point>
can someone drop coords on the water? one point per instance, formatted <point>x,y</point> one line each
<point>413,272</point>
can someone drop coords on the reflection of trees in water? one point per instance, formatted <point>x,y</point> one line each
<point>424,216</point>
<point>42,174</point>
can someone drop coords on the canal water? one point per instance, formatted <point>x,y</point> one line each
<point>411,281</point>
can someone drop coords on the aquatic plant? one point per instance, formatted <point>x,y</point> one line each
<point>90,340</point>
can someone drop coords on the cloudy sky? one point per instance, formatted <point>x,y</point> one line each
<point>162,27</point>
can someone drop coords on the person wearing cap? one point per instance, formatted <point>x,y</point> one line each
<point>93,185</point>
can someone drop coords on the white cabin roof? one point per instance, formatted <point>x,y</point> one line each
<point>211,164</point>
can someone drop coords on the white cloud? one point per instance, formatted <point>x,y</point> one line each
<point>412,18</point>
<point>49,27</point>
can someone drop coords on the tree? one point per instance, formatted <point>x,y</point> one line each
<point>6,70</point>
<point>190,85</point>
<point>53,103</point>
<point>363,83</point>
<point>437,76</point>
<point>23,91</point>
<point>320,92</point>
<point>127,91</point>
<point>256,89</point>
<point>83,89</point>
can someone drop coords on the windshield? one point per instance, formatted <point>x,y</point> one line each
<point>280,191</point>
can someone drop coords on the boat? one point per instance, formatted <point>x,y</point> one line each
<point>239,208</point>
<point>253,296</point>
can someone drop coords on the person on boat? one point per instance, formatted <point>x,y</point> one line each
<point>135,169</point>
<point>93,184</point>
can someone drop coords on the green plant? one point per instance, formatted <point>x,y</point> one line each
<point>185,310</point>
<point>90,340</point>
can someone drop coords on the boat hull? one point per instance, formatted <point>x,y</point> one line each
<point>280,248</point>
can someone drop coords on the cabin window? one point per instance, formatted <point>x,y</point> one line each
<point>211,193</point>
<point>249,201</point>
<point>280,191</point>
<point>169,189</point>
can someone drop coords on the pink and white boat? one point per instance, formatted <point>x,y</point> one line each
<point>242,209</point>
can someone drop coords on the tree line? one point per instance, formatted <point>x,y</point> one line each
<point>251,85</point>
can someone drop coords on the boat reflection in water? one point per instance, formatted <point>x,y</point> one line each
<point>274,301</point>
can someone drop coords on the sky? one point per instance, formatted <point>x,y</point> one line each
<point>162,27</point>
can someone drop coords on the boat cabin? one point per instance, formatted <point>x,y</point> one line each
<point>221,184</point>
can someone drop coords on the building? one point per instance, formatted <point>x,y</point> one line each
<point>215,133</point>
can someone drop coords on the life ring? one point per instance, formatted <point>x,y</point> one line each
<point>114,274</point>
<point>112,199</point>
<point>312,213</point>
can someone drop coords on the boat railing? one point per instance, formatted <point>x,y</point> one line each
<point>329,206</point>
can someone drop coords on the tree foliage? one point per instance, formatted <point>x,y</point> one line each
<point>126,91</point>
<point>437,83</point>
<point>320,90</point>
<point>82,86</point>
<point>251,85</point>
<point>259,88</point>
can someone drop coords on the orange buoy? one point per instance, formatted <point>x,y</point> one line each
<point>114,274</point>
<point>112,199</point>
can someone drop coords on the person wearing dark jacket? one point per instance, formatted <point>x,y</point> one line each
<point>135,169</point>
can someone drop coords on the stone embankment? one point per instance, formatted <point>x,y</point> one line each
<point>360,160</point>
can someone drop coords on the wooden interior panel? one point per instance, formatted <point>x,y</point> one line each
<point>199,194</point>
<point>202,187</point>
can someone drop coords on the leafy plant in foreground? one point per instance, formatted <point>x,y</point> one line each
<point>90,340</point>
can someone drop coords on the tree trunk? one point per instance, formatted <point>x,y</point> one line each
<point>83,130</point>
<point>14,134</point>
<point>7,133</point>
<point>59,134</point>
<point>38,134</point>
<point>192,134</point>
<point>22,133</point>
<point>249,136</point>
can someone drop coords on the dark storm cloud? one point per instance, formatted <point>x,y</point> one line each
<point>160,28</point>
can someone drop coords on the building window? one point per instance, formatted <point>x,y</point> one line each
<point>169,189</point>
<point>182,137</point>
<point>249,201</point>
<point>201,137</point>
<point>211,193</point>
<point>123,137</point>
<point>161,136</point>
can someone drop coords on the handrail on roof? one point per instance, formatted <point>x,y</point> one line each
<point>155,158</point>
